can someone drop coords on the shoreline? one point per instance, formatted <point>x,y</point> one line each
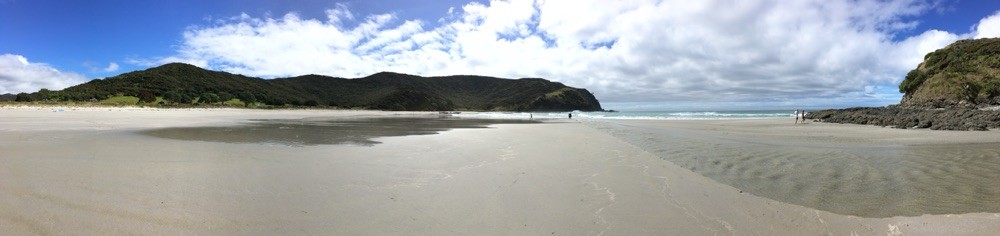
<point>548,178</point>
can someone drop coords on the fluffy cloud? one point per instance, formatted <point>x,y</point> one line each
<point>989,27</point>
<point>19,75</point>
<point>714,51</point>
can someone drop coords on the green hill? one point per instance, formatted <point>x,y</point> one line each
<point>384,91</point>
<point>943,92</point>
<point>963,74</point>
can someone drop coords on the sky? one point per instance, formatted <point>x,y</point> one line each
<point>632,54</point>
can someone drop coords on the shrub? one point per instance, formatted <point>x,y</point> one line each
<point>24,97</point>
<point>992,88</point>
<point>247,98</point>
<point>209,98</point>
<point>147,97</point>
<point>912,81</point>
<point>177,97</point>
<point>224,96</point>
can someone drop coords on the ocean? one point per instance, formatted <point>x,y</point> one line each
<point>643,115</point>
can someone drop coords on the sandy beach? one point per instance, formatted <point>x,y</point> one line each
<point>89,171</point>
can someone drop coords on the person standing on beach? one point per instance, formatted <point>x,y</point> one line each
<point>571,115</point>
<point>796,115</point>
<point>803,114</point>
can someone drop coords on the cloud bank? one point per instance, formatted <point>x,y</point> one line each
<point>669,51</point>
<point>19,75</point>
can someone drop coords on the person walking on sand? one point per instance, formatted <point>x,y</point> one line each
<point>803,114</point>
<point>571,115</point>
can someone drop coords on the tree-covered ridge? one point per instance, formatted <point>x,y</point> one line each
<point>178,83</point>
<point>965,73</point>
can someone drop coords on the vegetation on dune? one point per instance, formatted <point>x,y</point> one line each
<point>179,84</point>
<point>120,101</point>
<point>965,73</point>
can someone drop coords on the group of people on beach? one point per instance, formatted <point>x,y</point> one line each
<point>799,114</point>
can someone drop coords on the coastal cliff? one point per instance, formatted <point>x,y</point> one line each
<point>954,88</point>
<point>178,84</point>
<point>963,74</point>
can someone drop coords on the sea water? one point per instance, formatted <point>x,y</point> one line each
<point>641,115</point>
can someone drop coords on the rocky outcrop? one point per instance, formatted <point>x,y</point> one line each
<point>952,89</point>
<point>913,118</point>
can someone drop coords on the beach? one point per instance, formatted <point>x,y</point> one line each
<point>865,171</point>
<point>92,171</point>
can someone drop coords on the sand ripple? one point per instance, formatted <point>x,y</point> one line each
<point>864,180</point>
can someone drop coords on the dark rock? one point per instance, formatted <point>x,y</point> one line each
<point>908,118</point>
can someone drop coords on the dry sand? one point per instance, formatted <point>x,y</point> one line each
<point>86,172</point>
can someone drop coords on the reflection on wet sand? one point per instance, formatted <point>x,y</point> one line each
<point>327,130</point>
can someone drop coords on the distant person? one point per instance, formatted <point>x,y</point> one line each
<point>571,115</point>
<point>796,115</point>
<point>803,113</point>
<point>531,116</point>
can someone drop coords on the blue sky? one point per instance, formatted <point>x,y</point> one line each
<point>80,35</point>
<point>636,55</point>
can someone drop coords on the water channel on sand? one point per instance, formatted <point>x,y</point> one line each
<point>327,130</point>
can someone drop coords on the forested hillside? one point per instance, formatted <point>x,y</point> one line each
<point>179,84</point>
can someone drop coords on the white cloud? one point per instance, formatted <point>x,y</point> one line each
<point>911,51</point>
<point>771,52</point>
<point>989,27</point>
<point>112,67</point>
<point>338,14</point>
<point>94,67</point>
<point>19,75</point>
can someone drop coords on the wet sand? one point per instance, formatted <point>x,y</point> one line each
<point>359,130</point>
<point>847,169</point>
<point>90,172</point>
